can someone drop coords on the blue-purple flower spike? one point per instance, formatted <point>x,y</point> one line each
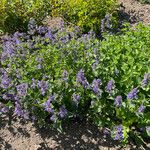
<point>148,129</point>
<point>65,75</point>
<point>44,86</point>
<point>76,98</point>
<point>145,80</point>
<point>47,104</point>
<point>22,89</point>
<point>82,79</point>
<point>95,84</point>
<point>62,112</point>
<point>141,109</point>
<point>133,94</point>
<point>110,86</point>
<point>118,133</point>
<point>5,82</point>
<point>118,101</point>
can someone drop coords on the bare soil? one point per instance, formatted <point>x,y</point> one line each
<point>21,135</point>
<point>27,136</point>
<point>136,11</point>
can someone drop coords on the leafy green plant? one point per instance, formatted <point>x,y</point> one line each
<point>15,14</point>
<point>85,14</point>
<point>54,76</point>
<point>144,1</point>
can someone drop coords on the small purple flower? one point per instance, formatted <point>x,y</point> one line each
<point>118,132</point>
<point>133,94</point>
<point>145,80</point>
<point>65,75</point>
<point>141,109</point>
<point>44,86</point>
<point>53,118</point>
<point>95,84</point>
<point>110,86</point>
<point>22,89</point>
<point>47,104</point>
<point>95,64</point>
<point>25,114</point>
<point>62,112</point>
<point>118,101</point>
<point>5,82</point>
<point>18,109</point>
<point>4,109</point>
<point>106,131</point>
<point>49,35</point>
<point>34,83</point>
<point>148,129</point>
<point>32,24</point>
<point>42,30</point>
<point>8,96</point>
<point>76,98</point>
<point>82,79</point>
<point>39,66</point>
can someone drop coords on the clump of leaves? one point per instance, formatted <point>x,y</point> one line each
<point>85,14</point>
<point>16,14</point>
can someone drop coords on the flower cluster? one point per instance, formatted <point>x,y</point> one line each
<point>95,84</point>
<point>22,89</point>
<point>76,98</point>
<point>47,104</point>
<point>5,81</point>
<point>141,109</point>
<point>146,79</point>
<point>118,101</point>
<point>110,86</point>
<point>133,94</point>
<point>118,132</point>
<point>82,79</point>
<point>43,85</point>
<point>62,112</point>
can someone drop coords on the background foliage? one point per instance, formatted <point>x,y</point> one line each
<point>15,14</point>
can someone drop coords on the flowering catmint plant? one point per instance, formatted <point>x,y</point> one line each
<point>65,75</point>
<point>95,84</point>
<point>5,81</point>
<point>43,86</point>
<point>4,109</point>
<point>133,94</point>
<point>18,110</point>
<point>34,83</point>
<point>145,80</point>
<point>118,132</point>
<point>47,104</point>
<point>62,112</point>
<point>22,89</point>
<point>148,129</point>
<point>82,79</point>
<point>76,98</point>
<point>110,86</point>
<point>95,64</point>
<point>118,101</point>
<point>141,109</point>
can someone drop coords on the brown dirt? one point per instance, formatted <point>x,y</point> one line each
<point>137,12</point>
<point>27,136</point>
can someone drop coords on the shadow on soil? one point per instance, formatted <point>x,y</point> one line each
<point>78,136</point>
